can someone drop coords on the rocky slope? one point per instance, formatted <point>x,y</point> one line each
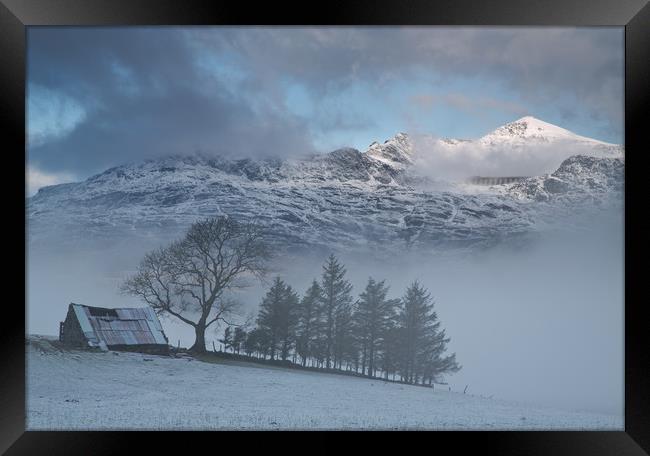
<point>345,199</point>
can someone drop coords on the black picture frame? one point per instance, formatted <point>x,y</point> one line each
<point>634,15</point>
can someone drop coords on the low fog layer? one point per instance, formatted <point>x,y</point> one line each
<point>437,160</point>
<point>542,325</point>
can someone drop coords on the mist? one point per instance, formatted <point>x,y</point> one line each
<point>433,159</point>
<point>540,324</point>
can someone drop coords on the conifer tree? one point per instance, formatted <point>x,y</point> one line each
<point>288,322</point>
<point>308,321</point>
<point>257,342</point>
<point>276,318</point>
<point>343,341</point>
<point>374,316</point>
<point>250,345</point>
<point>238,339</point>
<point>422,342</point>
<point>390,353</point>
<point>336,296</point>
<point>227,338</point>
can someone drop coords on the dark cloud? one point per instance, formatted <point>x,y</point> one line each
<point>145,97</point>
<point>472,105</point>
<point>152,91</point>
<point>539,61</point>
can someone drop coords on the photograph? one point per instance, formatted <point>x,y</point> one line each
<point>325,228</point>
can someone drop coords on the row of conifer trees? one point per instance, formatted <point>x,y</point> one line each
<point>328,328</point>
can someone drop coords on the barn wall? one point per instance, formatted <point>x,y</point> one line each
<point>152,349</point>
<point>73,336</point>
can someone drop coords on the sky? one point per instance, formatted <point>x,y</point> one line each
<point>101,97</point>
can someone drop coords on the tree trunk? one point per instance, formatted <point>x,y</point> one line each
<point>199,342</point>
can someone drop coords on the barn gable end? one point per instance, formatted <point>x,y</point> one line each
<point>70,332</point>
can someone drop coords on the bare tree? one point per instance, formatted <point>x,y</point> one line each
<point>188,278</point>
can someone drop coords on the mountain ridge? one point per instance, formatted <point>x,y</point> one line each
<point>345,199</point>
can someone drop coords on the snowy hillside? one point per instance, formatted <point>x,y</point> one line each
<point>528,130</point>
<point>75,390</point>
<point>345,199</point>
<point>579,175</point>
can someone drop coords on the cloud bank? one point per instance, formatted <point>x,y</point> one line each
<point>435,159</point>
<point>99,97</point>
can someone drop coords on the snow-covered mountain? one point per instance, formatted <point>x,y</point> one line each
<point>529,130</point>
<point>579,177</point>
<point>345,199</point>
<point>526,147</point>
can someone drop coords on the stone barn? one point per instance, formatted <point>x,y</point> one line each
<point>136,329</point>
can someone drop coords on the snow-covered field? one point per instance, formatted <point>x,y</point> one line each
<point>97,391</point>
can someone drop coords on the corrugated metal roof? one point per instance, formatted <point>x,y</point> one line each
<point>157,333</point>
<point>136,326</point>
<point>82,317</point>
